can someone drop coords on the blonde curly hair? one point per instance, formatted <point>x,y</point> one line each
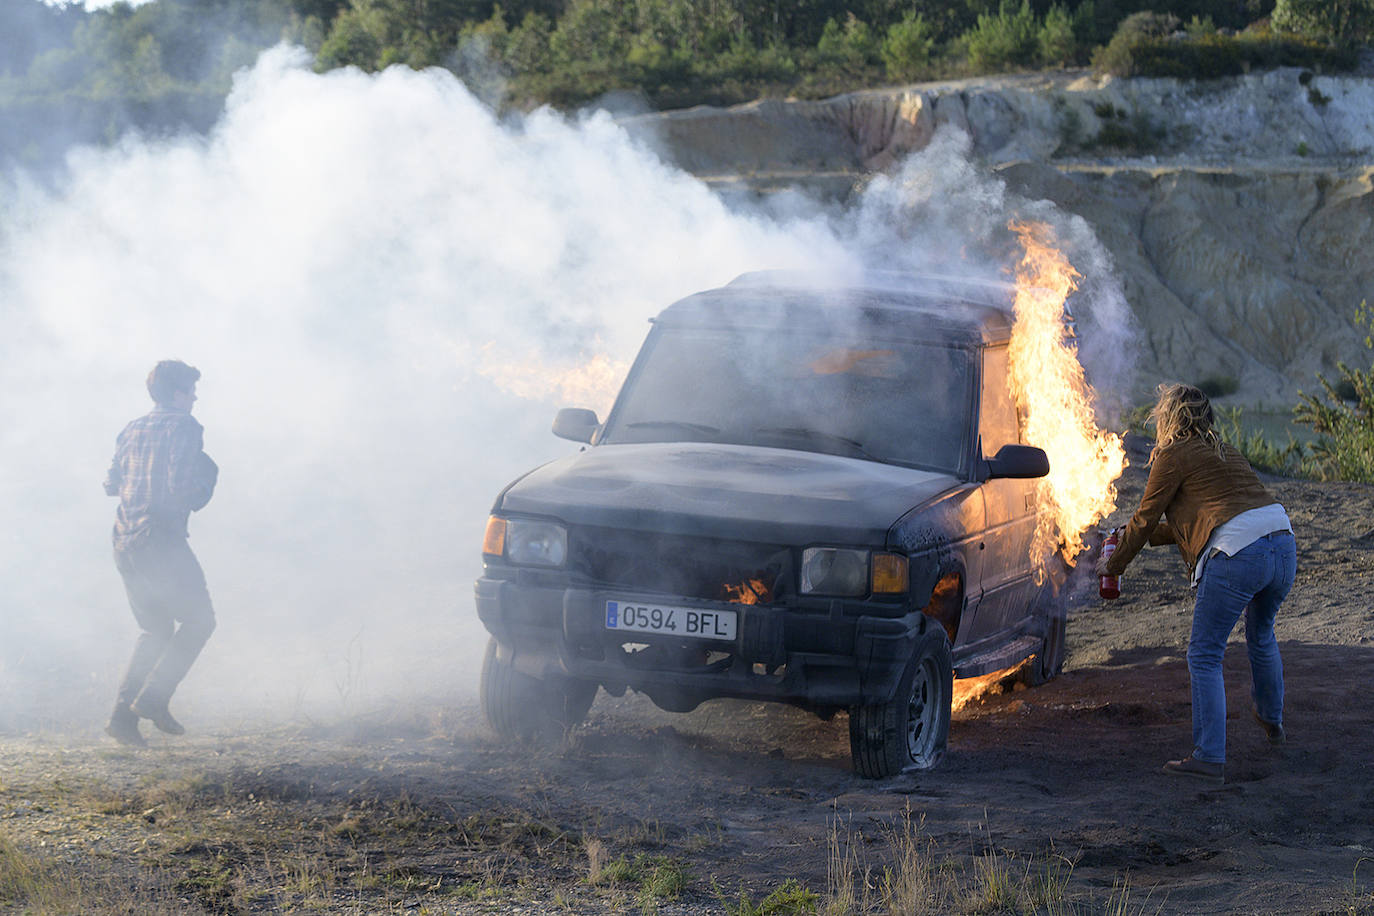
<point>1183,411</point>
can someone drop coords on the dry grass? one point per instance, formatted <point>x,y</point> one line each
<point>912,877</point>
<point>1359,901</point>
<point>910,880</point>
<point>32,886</point>
<point>22,879</point>
<point>247,843</point>
<point>596,859</point>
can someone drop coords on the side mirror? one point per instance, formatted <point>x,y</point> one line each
<point>1020,461</point>
<point>576,423</point>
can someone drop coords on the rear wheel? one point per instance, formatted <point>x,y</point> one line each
<point>1049,661</point>
<point>911,731</point>
<point>524,708</point>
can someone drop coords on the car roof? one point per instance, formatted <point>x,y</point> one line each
<point>910,306</point>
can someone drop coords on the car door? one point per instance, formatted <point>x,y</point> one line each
<point>1006,572</point>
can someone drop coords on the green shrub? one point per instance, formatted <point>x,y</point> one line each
<point>1135,133</point>
<point>1147,44</point>
<point>1146,24</point>
<point>594,34</point>
<point>1344,418</point>
<point>1213,56</point>
<point>356,38</point>
<point>1218,386</point>
<point>744,61</point>
<point>1293,459</point>
<point>1006,40</point>
<point>1057,41</point>
<point>845,56</point>
<point>1202,27</point>
<point>791,898</point>
<point>1290,460</point>
<point>702,29</point>
<point>908,48</point>
<point>851,47</point>
<point>1137,31</point>
<point>1346,452</point>
<point>1346,22</point>
<point>527,45</point>
<point>494,28</point>
<point>662,877</point>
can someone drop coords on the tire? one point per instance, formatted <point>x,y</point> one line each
<point>523,708</point>
<point>675,700</point>
<point>1049,660</point>
<point>911,731</point>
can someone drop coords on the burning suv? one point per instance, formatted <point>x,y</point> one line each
<point>806,494</point>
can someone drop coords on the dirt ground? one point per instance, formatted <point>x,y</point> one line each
<point>1050,799</point>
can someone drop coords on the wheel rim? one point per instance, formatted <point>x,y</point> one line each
<point>923,708</point>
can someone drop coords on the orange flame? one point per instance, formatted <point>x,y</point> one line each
<point>593,382</point>
<point>750,591</point>
<point>974,690</point>
<point>969,690</point>
<point>1056,400</point>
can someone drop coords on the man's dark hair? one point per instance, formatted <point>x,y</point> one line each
<point>170,376</point>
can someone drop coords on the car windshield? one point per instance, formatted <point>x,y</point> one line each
<point>894,401</point>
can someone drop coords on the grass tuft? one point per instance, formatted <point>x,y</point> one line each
<point>791,898</point>
<point>1359,901</point>
<point>22,879</point>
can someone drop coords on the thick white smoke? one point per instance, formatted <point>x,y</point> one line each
<point>340,258</point>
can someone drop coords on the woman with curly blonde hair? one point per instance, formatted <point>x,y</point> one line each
<point>1237,543</point>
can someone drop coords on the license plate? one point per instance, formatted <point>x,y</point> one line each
<point>693,622</point>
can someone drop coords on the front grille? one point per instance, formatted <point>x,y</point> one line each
<point>692,567</point>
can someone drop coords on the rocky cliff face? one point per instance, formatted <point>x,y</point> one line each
<point>1239,212</point>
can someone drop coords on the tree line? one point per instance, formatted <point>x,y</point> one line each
<point>167,64</point>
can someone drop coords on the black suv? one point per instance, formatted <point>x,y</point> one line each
<point>808,494</point>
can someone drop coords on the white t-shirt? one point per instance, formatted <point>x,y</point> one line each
<point>1235,534</point>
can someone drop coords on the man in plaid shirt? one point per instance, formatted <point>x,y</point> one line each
<point>161,475</point>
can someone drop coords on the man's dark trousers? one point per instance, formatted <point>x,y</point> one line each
<point>166,587</point>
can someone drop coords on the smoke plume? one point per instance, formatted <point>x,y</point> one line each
<point>385,286</point>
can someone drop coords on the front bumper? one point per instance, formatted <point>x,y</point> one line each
<point>828,654</point>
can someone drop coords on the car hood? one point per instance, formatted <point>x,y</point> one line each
<point>768,495</point>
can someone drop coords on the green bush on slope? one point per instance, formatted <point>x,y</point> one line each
<point>1344,418</point>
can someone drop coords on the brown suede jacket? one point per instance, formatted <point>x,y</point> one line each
<point>1196,491</point>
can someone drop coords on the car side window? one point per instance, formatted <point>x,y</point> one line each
<point>998,423</point>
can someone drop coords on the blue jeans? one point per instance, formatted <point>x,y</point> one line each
<point>1254,582</point>
<point>166,587</point>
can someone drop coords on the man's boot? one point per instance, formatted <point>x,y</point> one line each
<point>155,708</point>
<point>123,727</point>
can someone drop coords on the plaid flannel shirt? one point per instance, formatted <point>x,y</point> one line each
<point>160,474</point>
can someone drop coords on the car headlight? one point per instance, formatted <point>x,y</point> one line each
<point>852,573</point>
<point>834,571</point>
<point>526,542</point>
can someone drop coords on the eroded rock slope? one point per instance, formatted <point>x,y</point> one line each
<point>1239,211</point>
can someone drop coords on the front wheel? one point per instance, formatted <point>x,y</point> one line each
<point>523,708</point>
<point>910,731</point>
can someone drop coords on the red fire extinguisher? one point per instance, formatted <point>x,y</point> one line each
<point>1109,586</point>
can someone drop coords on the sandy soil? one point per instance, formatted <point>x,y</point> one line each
<point>1050,799</point>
